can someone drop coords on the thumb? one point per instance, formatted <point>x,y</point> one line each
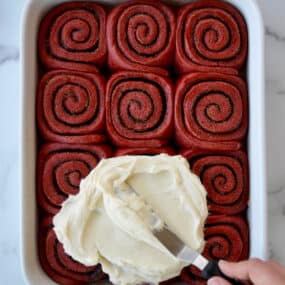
<point>217,281</point>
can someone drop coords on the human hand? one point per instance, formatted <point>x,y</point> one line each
<point>253,271</point>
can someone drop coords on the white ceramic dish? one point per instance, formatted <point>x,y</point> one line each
<point>257,214</point>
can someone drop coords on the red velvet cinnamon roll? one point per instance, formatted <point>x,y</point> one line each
<point>73,36</point>
<point>211,111</point>
<point>211,36</point>
<point>57,264</point>
<point>141,36</point>
<point>144,151</point>
<point>225,177</point>
<point>60,169</point>
<point>70,107</point>
<point>139,109</point>
<point>227,238</point>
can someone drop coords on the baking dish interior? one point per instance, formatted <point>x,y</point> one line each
<point>257,213</point>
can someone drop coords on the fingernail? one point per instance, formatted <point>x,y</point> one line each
<point>213,282</point>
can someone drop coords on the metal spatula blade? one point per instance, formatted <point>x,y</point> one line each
<point>181,251</point>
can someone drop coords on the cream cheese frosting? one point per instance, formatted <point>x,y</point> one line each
<point>120,204</point>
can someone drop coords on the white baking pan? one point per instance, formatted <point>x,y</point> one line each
<point>256,143</point>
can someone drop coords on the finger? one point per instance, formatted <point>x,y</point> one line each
<point>217,281</point>
<point>237,270</point>
<point>245,270</point>
<point>254,270</point>
<point>276,265</point>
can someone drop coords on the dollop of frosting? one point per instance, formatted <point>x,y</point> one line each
<point>120,204</point>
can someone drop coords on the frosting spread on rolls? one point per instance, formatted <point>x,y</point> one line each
<point>120,204</point>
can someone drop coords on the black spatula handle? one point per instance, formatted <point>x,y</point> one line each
<point>212,269</point>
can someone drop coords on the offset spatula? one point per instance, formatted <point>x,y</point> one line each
<point>181,251</point>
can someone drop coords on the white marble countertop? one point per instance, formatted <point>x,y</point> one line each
<point>10,11</point>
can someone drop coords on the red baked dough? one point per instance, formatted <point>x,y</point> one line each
<point>139,109</point>
<point>211,36</point>
<point>141,36</point>
<point>211,111</point>
<point>70,107</point>
<point>227,237</point>
<point>73,36</point>
<point>225,176</point>
<point>60,169</point>
<point>59,266</point>
<point>144,151</point>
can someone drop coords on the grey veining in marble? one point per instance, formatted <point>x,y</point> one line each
<point>274,14</point>
<point>273,34</point>
<point>8,53</point>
